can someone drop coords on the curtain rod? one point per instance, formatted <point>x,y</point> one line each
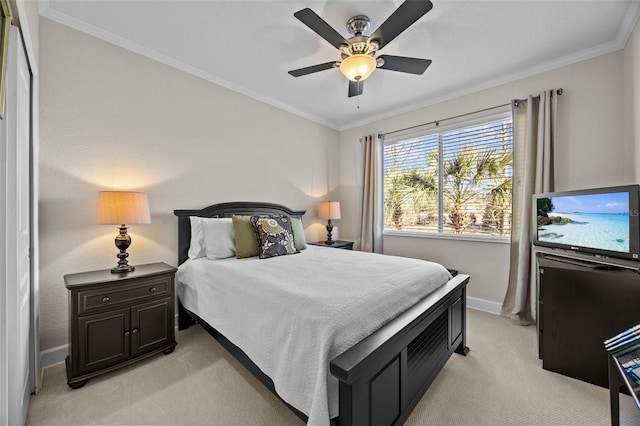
<point>437,122</point>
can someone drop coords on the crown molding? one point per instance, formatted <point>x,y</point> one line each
<point>629,23</point>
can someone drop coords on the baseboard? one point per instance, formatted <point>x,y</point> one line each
<point>53,356</point>
<point>484,305</point>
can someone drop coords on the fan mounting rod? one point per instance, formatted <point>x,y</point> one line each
<point>358,25</point>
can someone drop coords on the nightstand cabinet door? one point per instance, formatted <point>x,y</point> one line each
<point>151,325</point>
<point>103,339</point>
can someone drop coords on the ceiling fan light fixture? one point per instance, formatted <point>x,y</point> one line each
<point>358,67</point>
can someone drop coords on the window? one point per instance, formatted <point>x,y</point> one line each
<point>451,181</point>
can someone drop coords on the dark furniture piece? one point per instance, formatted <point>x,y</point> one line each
<point>383,377</point>
<point>117,319</point>
<point>347,245</point>
<point>579,307</point>
<point>619,381</point>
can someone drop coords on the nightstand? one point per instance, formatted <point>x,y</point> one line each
<point>346,245</point>
<point>118,319</point>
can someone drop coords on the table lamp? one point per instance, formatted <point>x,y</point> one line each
<point>329,210</point>
<point>120,208</point>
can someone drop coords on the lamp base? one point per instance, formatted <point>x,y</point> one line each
<point>120,269</point>
<point>329,229</point>
<point>123,241</point>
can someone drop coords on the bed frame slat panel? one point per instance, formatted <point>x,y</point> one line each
<point>431,344</point>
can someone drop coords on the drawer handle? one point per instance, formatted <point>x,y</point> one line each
<point>126,333</point>
<point>134,331</point>
<point>106,299</point>
<point>153,289</point>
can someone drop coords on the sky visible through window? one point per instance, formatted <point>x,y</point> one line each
<point>412,152</point>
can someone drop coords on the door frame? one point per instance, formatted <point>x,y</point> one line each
<point>13,403</point>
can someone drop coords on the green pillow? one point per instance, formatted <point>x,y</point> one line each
<point>245,236</point>
<point>298,233</point>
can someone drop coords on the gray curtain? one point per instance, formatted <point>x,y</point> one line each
<point>372,195</point>
<point>534,127</point>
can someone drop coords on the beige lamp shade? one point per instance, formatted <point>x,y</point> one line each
<point>329,210</point>
<point>122,207</point>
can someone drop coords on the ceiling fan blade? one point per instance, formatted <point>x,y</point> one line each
<point>404,16</point>
<point>317,24</point>
<point>355,88</point>
<point>314,68</point>
<point>404,64</point>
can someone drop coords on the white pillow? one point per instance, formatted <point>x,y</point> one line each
<point>219,241</point>
<point>196,247</point>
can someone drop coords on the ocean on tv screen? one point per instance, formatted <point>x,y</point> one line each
<point>599,221</point>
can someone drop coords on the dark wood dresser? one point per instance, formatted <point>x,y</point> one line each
<point>118,319</point>
<point>579,307</point>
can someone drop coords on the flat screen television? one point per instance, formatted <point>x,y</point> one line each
<point>595,224</point>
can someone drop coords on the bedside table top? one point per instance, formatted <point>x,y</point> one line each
<point>105,275</point>
<point>336,244</point>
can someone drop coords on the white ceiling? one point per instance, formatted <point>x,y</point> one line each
<point>248,46</point>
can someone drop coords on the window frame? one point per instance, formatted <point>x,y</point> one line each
<point>470,120</point>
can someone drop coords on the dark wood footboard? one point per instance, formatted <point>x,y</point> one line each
<point>383,377</point>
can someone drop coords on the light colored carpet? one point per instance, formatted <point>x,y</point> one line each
<point>500,382</point>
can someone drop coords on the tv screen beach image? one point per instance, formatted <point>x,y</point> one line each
<point>599,221</point>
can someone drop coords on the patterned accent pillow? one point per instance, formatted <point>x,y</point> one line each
<point>275,237</point>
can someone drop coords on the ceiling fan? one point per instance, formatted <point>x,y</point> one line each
<point>358,60</point>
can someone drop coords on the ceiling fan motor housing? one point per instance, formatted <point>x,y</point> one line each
<point>359,45</point>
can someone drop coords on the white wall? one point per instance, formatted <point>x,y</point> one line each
<point>590,151</point>
<point>113,119</point>
<point>632,104</point>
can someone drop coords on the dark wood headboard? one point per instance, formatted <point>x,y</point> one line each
<point>223,210</point>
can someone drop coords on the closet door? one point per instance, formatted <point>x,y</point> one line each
<point>16,139</point>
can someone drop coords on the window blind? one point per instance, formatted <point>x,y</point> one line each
<point>456,181</point>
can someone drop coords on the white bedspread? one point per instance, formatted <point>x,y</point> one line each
<point>293,314</point>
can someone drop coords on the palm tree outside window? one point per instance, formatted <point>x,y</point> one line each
<point>452,181</point>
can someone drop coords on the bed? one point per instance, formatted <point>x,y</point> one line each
<point>379,377</point>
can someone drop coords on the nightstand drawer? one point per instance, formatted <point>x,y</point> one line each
<point>90,300</point>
